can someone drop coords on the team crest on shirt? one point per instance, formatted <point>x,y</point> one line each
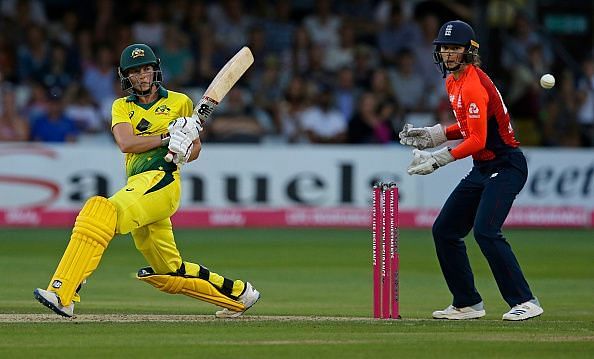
<point>473,110</point>
<point>162,110</point>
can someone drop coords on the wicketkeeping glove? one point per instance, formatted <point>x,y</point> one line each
<point>425,162</point>
<point>422,137</point>
<point>189,125</point>
<point>181,146</point>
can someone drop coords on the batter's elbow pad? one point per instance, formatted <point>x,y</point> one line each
<point>93,230</point>
<point>190,286</point>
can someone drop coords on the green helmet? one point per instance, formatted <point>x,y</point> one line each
<point>137,55</point>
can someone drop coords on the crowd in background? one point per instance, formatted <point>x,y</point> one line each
<point>324,72</point>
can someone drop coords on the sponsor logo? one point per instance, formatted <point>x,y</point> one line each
<point>473,110</point>
<point>448,30</point>
<point>129,189</point>
<point>56,284</point>
<point>131,114</point>
<point>137,53</point>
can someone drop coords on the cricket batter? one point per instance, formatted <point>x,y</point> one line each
<point>485,196</point>
<point>146,125</point>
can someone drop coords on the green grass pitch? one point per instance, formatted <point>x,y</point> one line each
<point>316,299</point>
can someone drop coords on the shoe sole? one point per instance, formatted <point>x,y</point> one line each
<point>462,317</point>
<point>49,304</point>
<point>238,314</point>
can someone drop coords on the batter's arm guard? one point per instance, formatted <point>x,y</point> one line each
<point>93,230</point>
<point>190,286</point>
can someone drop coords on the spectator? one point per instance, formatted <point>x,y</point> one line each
<point>151,30</point>
<point>33,56</point>
<point>559,125</point>
<point>299,56</point>
<point>99,76</point>
<point>369,125</point>
<point>176,58</point>
<point>323,123</point>
<point>346,93</point>
<point>236,121</point>
<point>585,102</point>
<point>267,91</point>
<point>54,125</point>
<point>83,111</point>
<point>56,72</point>
<point>232,24</point>
<point>516,48</point>
<point>398,34</point>
<point>279,29</point>
<point>13,126</point>
<point>291,111</point>
<point>408,86</point>
<point>344,54</point>
<point>322,26</point>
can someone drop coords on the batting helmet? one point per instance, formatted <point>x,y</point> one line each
<point>456,33</point>
<point>137,55</point>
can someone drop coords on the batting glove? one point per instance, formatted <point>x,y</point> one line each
<point>424,137</point>
<point>181,146</point>
<point>425,162</point>
<point>188,125</point>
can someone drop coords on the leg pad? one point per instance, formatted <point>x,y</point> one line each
<point>190,286</point>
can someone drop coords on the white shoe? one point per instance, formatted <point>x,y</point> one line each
<point>52,301</point>
<point>454,313</point>
<point>249,297</point>
<point>523,311</point>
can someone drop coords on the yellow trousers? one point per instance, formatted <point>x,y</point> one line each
<point>144,207</point>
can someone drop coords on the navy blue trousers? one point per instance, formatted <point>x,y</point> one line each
<point>482,201</point>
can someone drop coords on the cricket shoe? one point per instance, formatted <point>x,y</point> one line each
<point>249,297</point>
<point>524,311</point>
<point>473,312</point>
<point>52,301</point>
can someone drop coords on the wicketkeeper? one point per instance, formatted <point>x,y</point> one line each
<point>483,199</point>
<point>146,125</point>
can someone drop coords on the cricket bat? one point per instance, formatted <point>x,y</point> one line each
<point>220,85</point>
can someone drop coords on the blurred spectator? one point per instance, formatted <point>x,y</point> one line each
<point>150,30</point>
<point>424,65</point>
<point>299,56</point>
<point>316,71</point>
<point>399,33</point>
<point>33,56</point>
<point>176,58</point>
<point>8,60</point>
<point>83,111</point>
<point>266,89</point>
<point>54,125</point>
<point>28,12</point>
<point>291,111</point>
<point>99,76</point>
<point>516,47</point>
<point>558,125</point>
<point>13,126</point>
<point>372,121</point>
<point>279,28</point>
<point>56,73</point>
<point>323,26</point>
<point>232,24</point>
<point>346,93</point>
<point>364,65</point>
<point>235,122</point>
<point>408,86</point>
<point>323,123</point>
<point>381,86</point>
<point>344,54</point>
<point>585,102</point>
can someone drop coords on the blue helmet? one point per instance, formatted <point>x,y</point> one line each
<point>456,33</point>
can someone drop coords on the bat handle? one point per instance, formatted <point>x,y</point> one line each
<point>169,156</point>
